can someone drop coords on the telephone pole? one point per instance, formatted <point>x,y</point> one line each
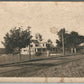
<point>29,45</point>
<point>29,52</point>
<point>63,47</point>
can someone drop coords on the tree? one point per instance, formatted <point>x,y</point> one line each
<point>60,34</point>
<point>38,36</point>
<point>61,40</point>
<point>49,41</point>
<point>71,40</point>
<point>17,38</point>
<point>74,39</point>
<point>49,44</point>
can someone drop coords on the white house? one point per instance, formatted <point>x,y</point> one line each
<point>35,46</point>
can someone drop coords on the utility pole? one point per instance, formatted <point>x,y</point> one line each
<point>29,45</point>
<point>29,52</point>
<point>63,43</point>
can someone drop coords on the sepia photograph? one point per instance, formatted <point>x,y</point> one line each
<point>41,39</point>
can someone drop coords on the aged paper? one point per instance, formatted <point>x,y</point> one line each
<point>41,41</point>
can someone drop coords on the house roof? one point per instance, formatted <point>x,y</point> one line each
<point>39,42</point>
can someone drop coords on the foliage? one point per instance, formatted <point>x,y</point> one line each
<point>49,44</point>
<point>49,41</point>
<point>38,36</point>
<point>70,40</point>
<point>16,39</point>
<point>60,33</point>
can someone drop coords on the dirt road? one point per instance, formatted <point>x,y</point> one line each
<point>53,66</point>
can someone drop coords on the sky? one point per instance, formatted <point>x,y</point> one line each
<point>46,18</point>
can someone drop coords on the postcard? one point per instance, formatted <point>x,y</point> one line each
<point>41,41</point>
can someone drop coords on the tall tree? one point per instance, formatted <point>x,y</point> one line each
<point>60,34</point>
<point>71,40</point>
<point>17,39</point>
<point>38,36</point>
<point>61,41</point>
<point>49,44</point>
<point>49,41</point>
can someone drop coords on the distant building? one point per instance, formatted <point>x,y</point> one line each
<point>81,45</point>
<point>81,48</point>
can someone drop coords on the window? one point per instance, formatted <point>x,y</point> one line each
<point>36,44</point>
<point>31,45</point>
<point>43,44</point>
<point>25,50</point>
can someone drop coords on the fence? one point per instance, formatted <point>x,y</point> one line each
<point>9,58</point>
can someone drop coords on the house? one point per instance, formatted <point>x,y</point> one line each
<point>35,46</point>
<point>81,45</point>
<point>81,48</point>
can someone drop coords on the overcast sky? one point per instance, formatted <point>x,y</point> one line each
<point>42,17</point>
